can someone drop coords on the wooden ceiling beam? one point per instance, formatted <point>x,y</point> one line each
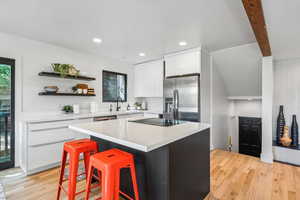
<point>256,17</point>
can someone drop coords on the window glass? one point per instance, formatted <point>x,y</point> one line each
<point>114,86</point>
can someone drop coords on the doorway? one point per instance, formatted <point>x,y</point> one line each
<point>7,111</point>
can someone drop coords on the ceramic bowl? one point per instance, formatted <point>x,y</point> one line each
<point>51,89</point>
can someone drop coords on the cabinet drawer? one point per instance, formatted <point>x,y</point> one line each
<point>42,156</point>
<point>48,136</point>
<point>48,125</point>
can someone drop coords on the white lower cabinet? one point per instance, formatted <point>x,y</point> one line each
<point>49,136</point>
<point>43,143</point>
<point>44,156</point>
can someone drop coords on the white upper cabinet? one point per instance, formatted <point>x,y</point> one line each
<point>149,79</point>
<point>181,63</point>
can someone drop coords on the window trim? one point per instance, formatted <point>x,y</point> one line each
<point>115,73</point>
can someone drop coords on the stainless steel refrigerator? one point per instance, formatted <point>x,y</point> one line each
<point>182,97</point>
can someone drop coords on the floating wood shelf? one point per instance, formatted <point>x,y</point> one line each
<point>57,75</point>
<point>65,94</point>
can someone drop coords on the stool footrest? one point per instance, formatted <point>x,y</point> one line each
<point>64,180</point>
<point>92,187</point>
<point>126,195</point>
<point>82,191</point>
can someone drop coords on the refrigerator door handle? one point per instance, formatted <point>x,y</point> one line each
<point>176,104</point>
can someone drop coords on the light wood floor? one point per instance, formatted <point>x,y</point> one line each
<point>234,176</point>
<point>241,177</point>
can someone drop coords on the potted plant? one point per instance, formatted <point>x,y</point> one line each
<point>67,109</point>
<point>65,69</point>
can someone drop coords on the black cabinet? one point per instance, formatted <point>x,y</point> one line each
<point>176,171</point>
<point>250,136</point>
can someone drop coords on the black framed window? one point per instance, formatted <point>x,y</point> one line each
<point>7,113</point>
<point>114,86</point>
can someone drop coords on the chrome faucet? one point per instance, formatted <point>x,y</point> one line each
<point>118,107</point>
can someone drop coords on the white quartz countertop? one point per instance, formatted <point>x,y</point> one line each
<point>138,136</point>
<point>36,118</point>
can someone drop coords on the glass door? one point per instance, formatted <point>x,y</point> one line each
<point>7,140</point>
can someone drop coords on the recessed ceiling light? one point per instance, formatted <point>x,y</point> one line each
<point>97,40</point>
<point>142,54</point>
<point>182,43</point>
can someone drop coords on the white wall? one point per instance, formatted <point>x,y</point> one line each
<point>154,104</point>
<point>240,67</point>
<point>286,90</point>
<point>241,108</point>
<point>33,56</point>
<point>267,108</point>
<point>220,110</point>
<point>248,108</point>
<point>205,86</point>
<point>239,72</point>
<point>286,93</point>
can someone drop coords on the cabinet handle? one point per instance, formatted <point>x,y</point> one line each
<point>45,144</point>
<point>49,121</point>
<point>48,129</point>
<point>104,119</point>
<point>82,118</point>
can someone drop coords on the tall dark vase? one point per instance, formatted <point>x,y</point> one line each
<point>280,125</point>
<point>295,132</point>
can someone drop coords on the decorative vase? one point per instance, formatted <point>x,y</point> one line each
<point>295,132</point>
<point>229,145</point>
<point>285,139</point>
<point>280,125</point>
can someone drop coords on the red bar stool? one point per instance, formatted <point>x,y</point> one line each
<point>74,149</point>
<point>109,164</point>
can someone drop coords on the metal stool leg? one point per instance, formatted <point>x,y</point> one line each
<point>74,161</point>
<point>62,173</point>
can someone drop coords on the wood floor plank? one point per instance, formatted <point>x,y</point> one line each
<point>297,181</point>
<point>233,177</point>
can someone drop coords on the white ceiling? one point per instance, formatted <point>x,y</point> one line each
<point>282,19</point>
<point>240,68</point>
<point>129,27</point>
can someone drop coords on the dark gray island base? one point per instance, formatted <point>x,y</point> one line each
<point>177,171</point>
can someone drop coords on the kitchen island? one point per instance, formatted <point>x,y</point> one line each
<point>172,163</point>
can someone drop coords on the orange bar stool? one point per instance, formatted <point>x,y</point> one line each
<point>109,164</point>
<point>74,149</point>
